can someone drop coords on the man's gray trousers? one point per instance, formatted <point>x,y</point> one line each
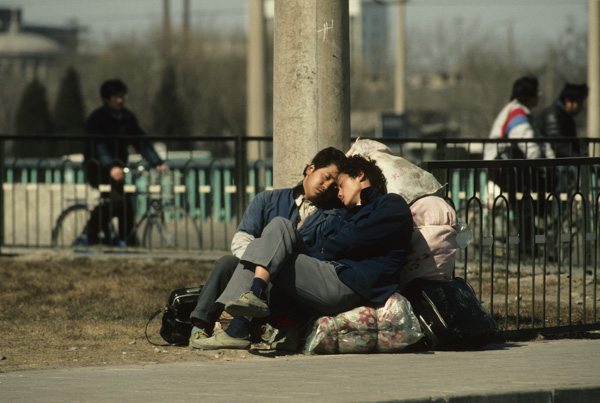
<point>309,281</point>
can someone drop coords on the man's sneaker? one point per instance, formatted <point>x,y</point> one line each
<point>248,304</point>
<point>222,340</point>
<point>118,242</point>
<point>286,340</point>
<point>80,241</point>
<point>196,335</point>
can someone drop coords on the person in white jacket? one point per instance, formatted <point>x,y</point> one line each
<point>515,121</point>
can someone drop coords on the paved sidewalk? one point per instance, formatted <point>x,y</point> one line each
<point>541,371</point>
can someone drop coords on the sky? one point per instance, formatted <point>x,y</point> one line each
<point>531,20</point>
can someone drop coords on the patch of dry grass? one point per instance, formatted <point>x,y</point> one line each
<point>92,289</point>
<point>62,311</point>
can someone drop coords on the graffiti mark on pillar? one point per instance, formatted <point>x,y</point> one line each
<point>326,28</point>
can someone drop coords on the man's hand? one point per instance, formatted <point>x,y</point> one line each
<point>163,168</point>
<point>117,175</point>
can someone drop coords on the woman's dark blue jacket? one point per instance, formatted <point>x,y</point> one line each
<point>369,244</point>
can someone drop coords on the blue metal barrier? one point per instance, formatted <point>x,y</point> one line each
<point>206,188</point>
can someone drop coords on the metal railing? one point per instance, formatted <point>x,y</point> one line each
<point>533,259</point>
<point>214,191</point>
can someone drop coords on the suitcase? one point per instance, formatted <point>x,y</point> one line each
<point>450,315</point>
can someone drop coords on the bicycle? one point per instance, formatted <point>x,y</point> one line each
<point>162,226</point>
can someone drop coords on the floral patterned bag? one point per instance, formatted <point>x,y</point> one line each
<point>388,329</point>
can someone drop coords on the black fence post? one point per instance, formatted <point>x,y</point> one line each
<point>1,195</point>
<point>241,170</point>
<point>440,150</point>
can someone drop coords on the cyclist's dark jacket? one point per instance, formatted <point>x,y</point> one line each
<point>101,155</point>
<point>280,203</point>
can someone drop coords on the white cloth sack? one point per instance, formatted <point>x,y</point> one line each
<point>403,177</point>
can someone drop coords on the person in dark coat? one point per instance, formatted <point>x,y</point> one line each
<point>105,157</point>
<point>557,120</point>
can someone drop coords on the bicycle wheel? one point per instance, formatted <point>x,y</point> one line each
<point>70,228</point>
<point>170,228</point>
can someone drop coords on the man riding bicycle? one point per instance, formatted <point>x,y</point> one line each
<point>105,158</point>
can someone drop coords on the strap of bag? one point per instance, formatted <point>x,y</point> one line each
<point>154,315</point>
<point>462,280</point>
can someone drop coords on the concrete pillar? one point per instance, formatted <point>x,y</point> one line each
<point>166,22</point>
<point>593,112</point>
<point>399,105</point>
<point>311,84</point>
<point>255,108</point>
<point>166,27</point>
<point>186,23</point>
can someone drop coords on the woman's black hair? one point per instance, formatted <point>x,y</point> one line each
<point>356,164</point>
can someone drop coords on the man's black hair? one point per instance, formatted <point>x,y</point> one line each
<point>326,157</point>
<point>356,164</point>
<point>574,92</point>
<point>525,88</point>
<point>112,87</point>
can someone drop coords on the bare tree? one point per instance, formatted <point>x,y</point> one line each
<point>458,77</point>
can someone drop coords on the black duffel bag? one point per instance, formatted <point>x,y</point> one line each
<point>450,315</point>
<point>176,327</point>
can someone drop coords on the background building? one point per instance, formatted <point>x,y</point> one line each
<point>369,36</point>
<point>32,51</point>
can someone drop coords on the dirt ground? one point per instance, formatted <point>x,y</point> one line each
<point>67,310</point>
